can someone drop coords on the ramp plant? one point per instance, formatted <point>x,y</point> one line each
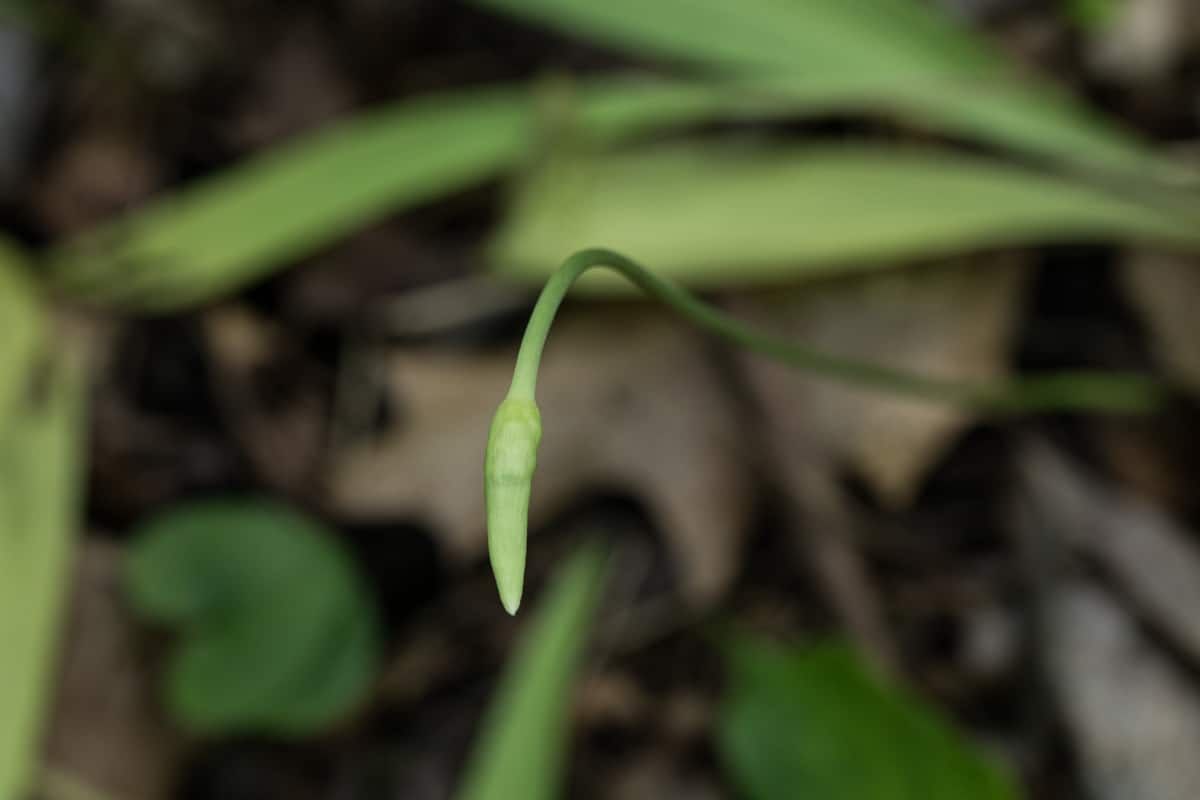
<point>516,430</point>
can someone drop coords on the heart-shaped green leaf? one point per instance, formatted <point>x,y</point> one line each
<point>278,631</point>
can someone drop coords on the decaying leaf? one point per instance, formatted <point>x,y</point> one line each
<point>952,321</point>
<point>1134,716</point>
<point>1145,41</point>
<point>1133,712</point>
<point>1153,559</point>
<point>1165,290</point>
<point>299,88</point>
<point>106,730</point>
<point>276,414</point>
<point>97,175</point>
<point>628,401</point>
<point>655,776</point>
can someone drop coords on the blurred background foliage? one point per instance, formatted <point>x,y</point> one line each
<point>262,268</point>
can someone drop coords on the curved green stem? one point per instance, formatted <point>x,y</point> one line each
<point>516,428</point>
<point>1082,390</point>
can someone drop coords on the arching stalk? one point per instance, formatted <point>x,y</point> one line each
<point>516,428</point>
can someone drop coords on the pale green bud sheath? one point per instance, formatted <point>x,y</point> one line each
<point>516,428</point>
<point>508,479</point>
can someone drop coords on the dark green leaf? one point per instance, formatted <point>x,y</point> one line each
<point>813,722</point>
<point>1093,15</point>
<point>278,632</point>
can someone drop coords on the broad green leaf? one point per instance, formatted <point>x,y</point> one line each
<point>20,329</point>
<point>277,630</point>
<point>813,722</point>
<point>710,216</point>
<point>522,748</point>
<point>899,56</point>
<point>40,468</point>
<point>239,225</point>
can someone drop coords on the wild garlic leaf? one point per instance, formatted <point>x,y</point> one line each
<point>522,747</point>
<point>40,473</point>
<point>708,215</point>
<point>20,329</point>
<point>898,56</point>
<point>239,225</point>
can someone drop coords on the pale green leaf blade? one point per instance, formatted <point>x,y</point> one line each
<point>893,56</point>
<point>814,722</point>
<point>521,751</point>
<point>40,473</point>
<point>20,328</point>
<point>239,225</point>
<point>710,216</point>
<point>771,35</point>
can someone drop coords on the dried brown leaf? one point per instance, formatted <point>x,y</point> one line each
<point>951,321</point>
<point>106,730</point>
<point>1153,558</point>
<point>1165,290</point>
<point>1132,711</point>
<point>628,402</point>
<point>272,404</point>
<point>1134,716</point>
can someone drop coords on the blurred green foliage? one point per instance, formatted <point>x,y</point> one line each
<point>773,59</point>
<point>1093,15</point>
<point>522,748</point>
<point>790,59</point>
<point>865,56</point>
<point>21,313</point>
<point>814,722</point>
<point>214,237</point>
<point>710,215</point>
<point>277,631</point>
<point>40,472</point>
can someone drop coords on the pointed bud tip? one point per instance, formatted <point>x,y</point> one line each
<point>510,596</point>
<point>511,605</point>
